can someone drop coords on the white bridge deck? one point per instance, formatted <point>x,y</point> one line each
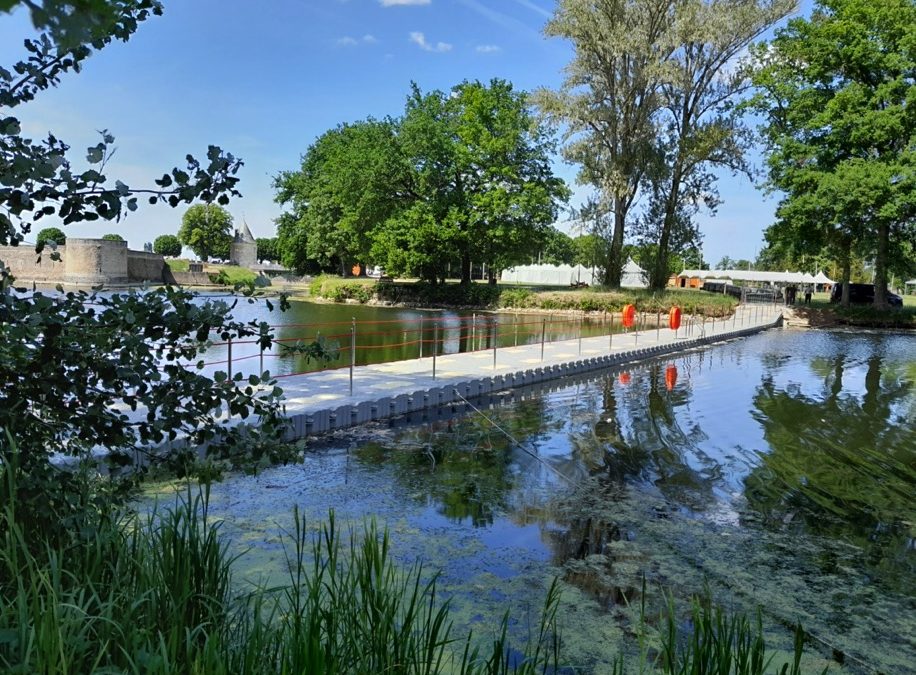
<point>320,402</point>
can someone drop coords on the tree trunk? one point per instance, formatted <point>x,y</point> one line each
<point>491,275</point>
<point>660,273</point>
<point>465,268</point>
<point>881,265</point>
<point>847,273</point>
<point>614,262</point>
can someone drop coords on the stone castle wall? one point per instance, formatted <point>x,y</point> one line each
<point>25,266</point>
<point>84,262</point>
<point>142,266</point>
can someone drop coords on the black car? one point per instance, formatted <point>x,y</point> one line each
<point>863,294</point>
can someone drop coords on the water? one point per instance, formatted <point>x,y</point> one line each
<point>777,471</point>
<point>391,334</point>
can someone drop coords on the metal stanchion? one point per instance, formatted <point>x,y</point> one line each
<point>474,331</point>
<point>610,334</point>
<point>436,345</point>
<point>658,326</point>
<point>543,335</point>
<point>516,330</point>
<point>353,351</point>
<point>261,359</point>
<point>580,336</point>
<point>229,357</point>
<point>421,336</point>
<point>493,335</point>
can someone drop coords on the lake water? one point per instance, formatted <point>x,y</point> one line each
<point>777,471</point>
<point>391,334</point>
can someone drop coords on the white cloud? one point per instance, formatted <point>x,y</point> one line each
<point>420,40</point>
<point>403,3</point>
<point>347,41</point>
<point>487,49</point>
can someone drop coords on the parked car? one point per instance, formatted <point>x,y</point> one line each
<point>863,294</point>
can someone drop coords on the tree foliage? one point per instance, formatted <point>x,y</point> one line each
<point>648,108</point>
<point>268,249</point>
<point>50,235</point>
<point>118,371</point>
<point>113,237</point>
<point>205,230</point>
<point>167,245</point>
<point>836,91</point>
<point>463,175</point>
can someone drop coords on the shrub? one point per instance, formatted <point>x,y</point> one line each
<point>167,244</point>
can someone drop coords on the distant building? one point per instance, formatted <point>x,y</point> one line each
<point>244,249</point>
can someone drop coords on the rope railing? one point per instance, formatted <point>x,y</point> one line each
<point>426,337</point>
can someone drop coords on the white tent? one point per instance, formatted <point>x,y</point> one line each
<point>821,278</point>
<point>549,275</point>
<point>786,277</point>
<point>633,276</point>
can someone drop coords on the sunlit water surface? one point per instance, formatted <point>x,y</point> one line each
<point>778,471</point>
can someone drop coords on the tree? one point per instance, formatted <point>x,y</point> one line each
<point>725,263</point>
<point>205,230</point>
<point>836,92</point>
<point>481,175</point>
<point>350,180</point>
<point>700,127</point>
<point>167,245</point>
<point>464,174</point>
<point>113,237</point>
<point>268,250</point>
<point>608,101</point>
<point>558,248</point>
<point>50,235</point>
<point>86,370</point>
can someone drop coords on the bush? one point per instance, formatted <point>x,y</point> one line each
<point>51,235</point>
<point>341,290</point>
<point>235,276</point>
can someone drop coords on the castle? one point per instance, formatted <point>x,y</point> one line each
<point>85,262</point>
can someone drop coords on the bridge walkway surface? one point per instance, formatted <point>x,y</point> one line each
<point>322,401</point>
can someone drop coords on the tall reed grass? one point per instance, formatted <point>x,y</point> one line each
<point>155,594</point>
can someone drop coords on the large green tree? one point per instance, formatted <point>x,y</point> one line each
<point>700,127</point>
<point>205,230</point>
<point>837,92</point>
<point>608,100</point>
<point>464,175</point>
<point>350,180</point>
<point>481,178</point>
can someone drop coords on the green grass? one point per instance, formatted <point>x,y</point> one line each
<point>179,265</point>
<point>865,315</point>
<point>232,275</point>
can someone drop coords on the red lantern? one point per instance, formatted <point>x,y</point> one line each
<point>670,377</point>
<point>628,316</point>
<point>674,318</point>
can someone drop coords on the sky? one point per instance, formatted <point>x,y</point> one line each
<point>264,79</point>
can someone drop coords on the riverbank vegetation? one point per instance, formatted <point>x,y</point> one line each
<point>490,296</point>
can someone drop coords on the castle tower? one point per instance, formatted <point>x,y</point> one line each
<point>95,261</point>
<point>244,249</point>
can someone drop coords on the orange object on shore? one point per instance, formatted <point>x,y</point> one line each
<point>670,377</point>
<point>674,318</point>
<point>624,378</point>
<point>628,316</point>
<point>356,270</point>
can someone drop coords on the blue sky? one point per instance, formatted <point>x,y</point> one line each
<point>263,79</point>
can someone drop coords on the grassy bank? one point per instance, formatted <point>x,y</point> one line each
<point>485,296</point>
<point>155,594</point>
<point>821,312</point>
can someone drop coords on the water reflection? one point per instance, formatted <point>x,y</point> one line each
<point>776,471</point>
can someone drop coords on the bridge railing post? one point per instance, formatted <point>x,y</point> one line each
<point>543,335</point>
<point>229,356</point>
<point>352,351</point>
<point>421,336</point>
<point>436,345</point>
<point>494,334</point>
